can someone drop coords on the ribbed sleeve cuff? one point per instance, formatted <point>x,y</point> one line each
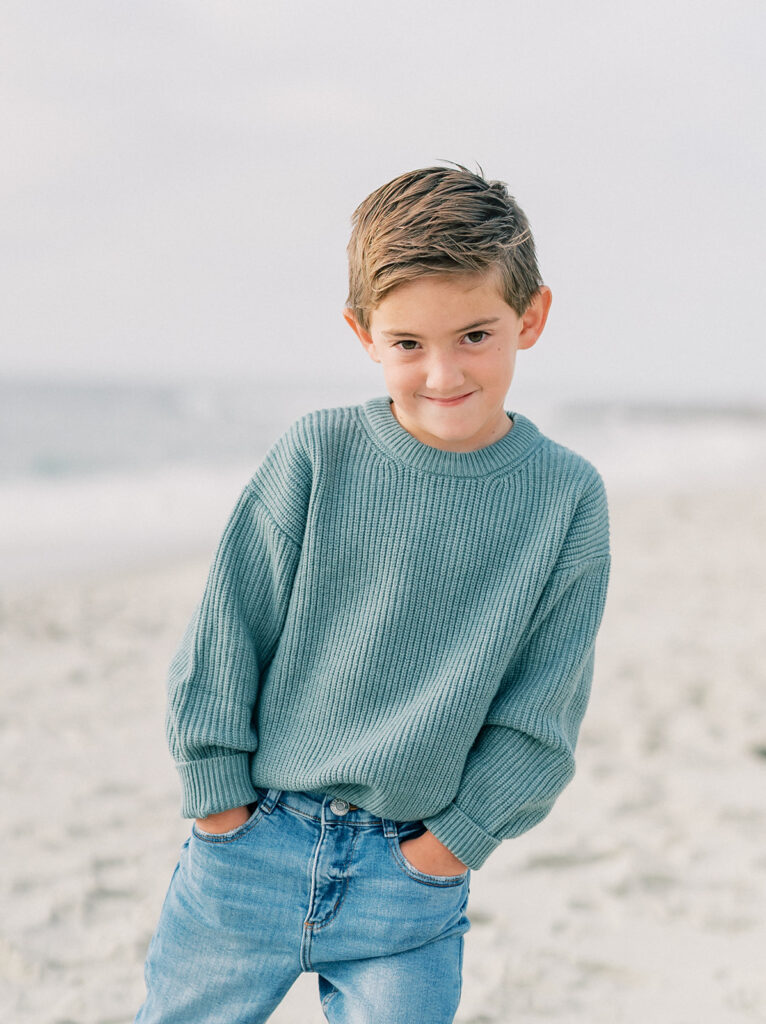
<point>467,840</point>
<point>215,784</point>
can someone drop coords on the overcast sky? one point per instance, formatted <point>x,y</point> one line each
<point>178,180</point>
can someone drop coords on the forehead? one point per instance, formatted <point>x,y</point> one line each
<point>438,301</point>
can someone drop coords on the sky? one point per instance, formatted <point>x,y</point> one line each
<point>178,179</point>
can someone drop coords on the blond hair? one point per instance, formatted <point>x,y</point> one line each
<point>438,220</point>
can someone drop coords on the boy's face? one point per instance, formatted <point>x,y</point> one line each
<point>447,344</point>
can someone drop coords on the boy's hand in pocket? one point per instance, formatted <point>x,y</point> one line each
<point>225,821</point>
<point>430,855</point>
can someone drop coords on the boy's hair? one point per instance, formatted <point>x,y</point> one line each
<point>438,220</point>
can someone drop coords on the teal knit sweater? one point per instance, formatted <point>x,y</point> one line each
<point>408,628</point>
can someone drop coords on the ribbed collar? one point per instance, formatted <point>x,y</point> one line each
<point>387,431</point>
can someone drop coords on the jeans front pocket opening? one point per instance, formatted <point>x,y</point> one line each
<point>233,834</point>
<point>438,881</point>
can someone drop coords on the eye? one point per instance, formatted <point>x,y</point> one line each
<point>473,334</point>
<point>405,343</point>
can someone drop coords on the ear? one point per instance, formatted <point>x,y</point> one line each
<point>367,343</point>
<point>533,320</point>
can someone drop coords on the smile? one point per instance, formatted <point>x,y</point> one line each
<point>450,401</point>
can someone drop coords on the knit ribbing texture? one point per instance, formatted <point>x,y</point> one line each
<point>406,628</point>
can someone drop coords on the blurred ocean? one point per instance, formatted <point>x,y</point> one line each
<point>95,477</point>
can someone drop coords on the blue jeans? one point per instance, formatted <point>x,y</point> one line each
<point>306,884</point>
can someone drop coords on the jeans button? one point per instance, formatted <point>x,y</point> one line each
<point>339,806</point>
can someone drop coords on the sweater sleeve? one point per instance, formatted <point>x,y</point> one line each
<point>214,675</point>
<point>523,755</point>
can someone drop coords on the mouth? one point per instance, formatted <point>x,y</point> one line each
<point>450,401</point>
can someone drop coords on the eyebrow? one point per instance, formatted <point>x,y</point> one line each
<point>461,330</point>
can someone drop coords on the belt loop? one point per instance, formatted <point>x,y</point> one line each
<point>389,827</point>
<point>270,801</point>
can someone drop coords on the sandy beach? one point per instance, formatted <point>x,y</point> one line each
<point>642,896</point>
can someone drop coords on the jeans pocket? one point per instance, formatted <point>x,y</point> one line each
<point>410,830</point>
<point>233,834</point>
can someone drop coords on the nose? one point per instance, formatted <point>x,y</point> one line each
<point>444,374</point>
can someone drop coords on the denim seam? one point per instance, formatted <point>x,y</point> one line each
<point>334,913</point>
<point>294,810</point>
<point>329,998</point>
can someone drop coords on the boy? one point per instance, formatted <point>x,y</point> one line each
<point>392,656</point>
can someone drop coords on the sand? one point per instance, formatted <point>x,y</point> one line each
<point>641,897</point>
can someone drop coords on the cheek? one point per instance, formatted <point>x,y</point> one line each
<point>398,369</point>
